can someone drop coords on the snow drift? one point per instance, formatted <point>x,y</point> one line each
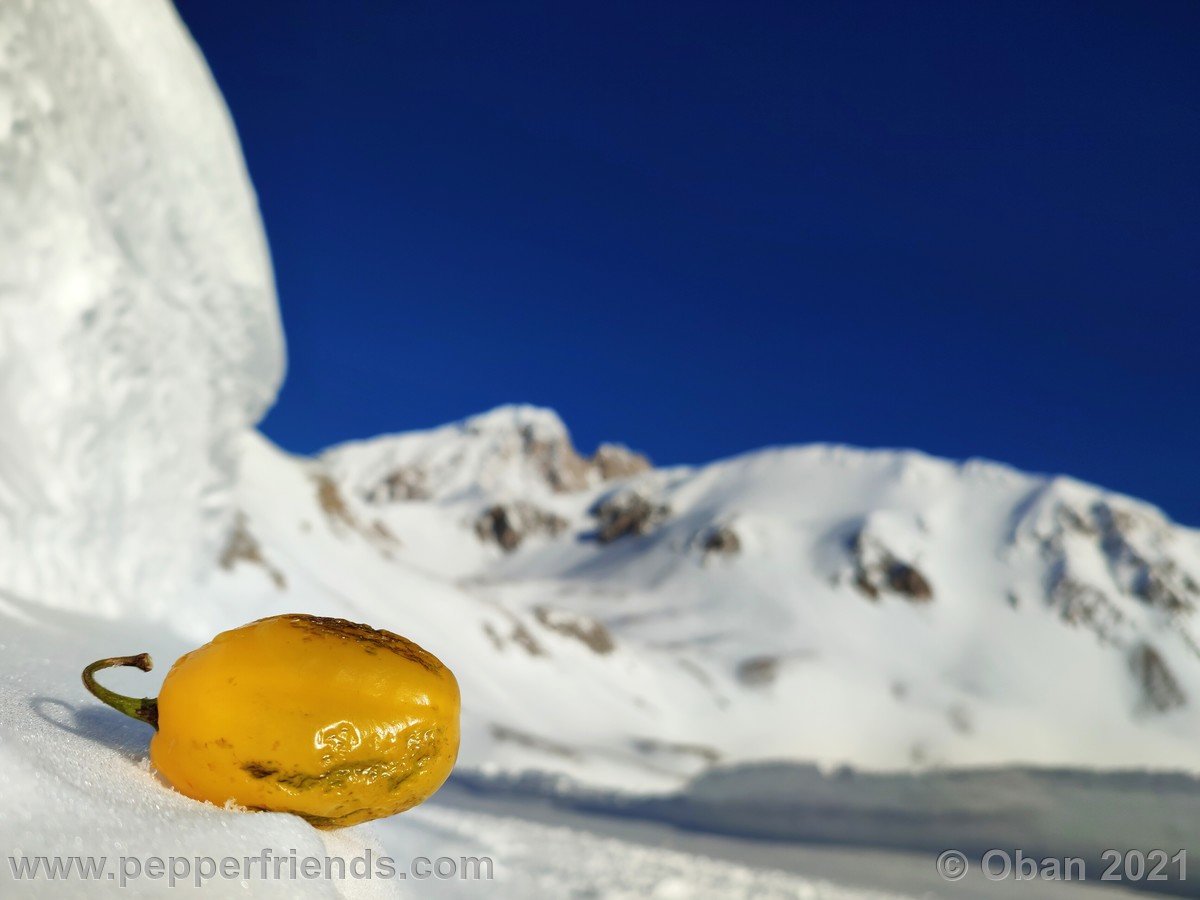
<point>139,331</point>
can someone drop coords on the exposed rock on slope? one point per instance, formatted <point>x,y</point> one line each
<point>524,449</point>
<point>719,540</point>
<point>243,547</point>
<point>588,631</point>
<point>398,486</point>
<point>1160,690</point>
<point>877,570</point>
<point>626,513</point>
<point>508,524</point>
<point>618,461</point>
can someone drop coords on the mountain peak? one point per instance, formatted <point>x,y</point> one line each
<point>517,450</point>
<point>537,421</point>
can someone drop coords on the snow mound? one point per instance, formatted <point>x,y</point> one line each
<point>139,332</point>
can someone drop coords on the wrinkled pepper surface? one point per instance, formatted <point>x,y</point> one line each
<point>324,718</point>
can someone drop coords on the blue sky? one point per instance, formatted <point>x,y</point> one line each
<point>970,228</point>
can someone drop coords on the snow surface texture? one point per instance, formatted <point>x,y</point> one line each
<point>76,781</point>
<point>138,326</point>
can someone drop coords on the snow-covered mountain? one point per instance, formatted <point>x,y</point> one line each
<point>628,626</point>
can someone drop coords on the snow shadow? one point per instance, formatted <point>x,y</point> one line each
<point>1043,813</point>
<point>95,723</point>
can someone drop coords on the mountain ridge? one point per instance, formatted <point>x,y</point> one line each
<point>817,604</point>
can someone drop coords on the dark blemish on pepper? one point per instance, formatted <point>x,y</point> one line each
<point>368,638</point>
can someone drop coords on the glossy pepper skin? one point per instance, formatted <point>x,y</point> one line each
<point>324,718</point>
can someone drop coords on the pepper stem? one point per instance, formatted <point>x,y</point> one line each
<point>144,709</point>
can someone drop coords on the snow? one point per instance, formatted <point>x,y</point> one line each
<point>553,861</point>
<point>75,776</point>
<point>638,663</point>
<point>139,331</point>
<point>76,780</point>
<point>880,610</point>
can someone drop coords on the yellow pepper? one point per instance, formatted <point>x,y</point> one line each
<point>323,718</point>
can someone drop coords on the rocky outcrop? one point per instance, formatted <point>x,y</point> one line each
<point>718,540</point>
<point>509,452</point>
<point>877,570</point>
<point>332,503</point>
<point>401,484</point>
<point>515,633</point>
<point>531,741</point>
<point>1160,690</point>
<point>343,521</point>
<point>758,671</point>
<point>586,630</point>
<point>1107,560</point>
<point>618,461</point>
<point>243,547</point>
<point>626,513</point>
<point>508,524</point>
<point>1079,603</point>
<point>1134,546</point>
<point>1134,542</point>
<point>906,580</point>
<point>566,471</point>
<point>556,459</point>
<point>705,754</point>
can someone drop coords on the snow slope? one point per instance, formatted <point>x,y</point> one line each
<point>821,604</point>
<point>75,780</point>
<point>138,326</point>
